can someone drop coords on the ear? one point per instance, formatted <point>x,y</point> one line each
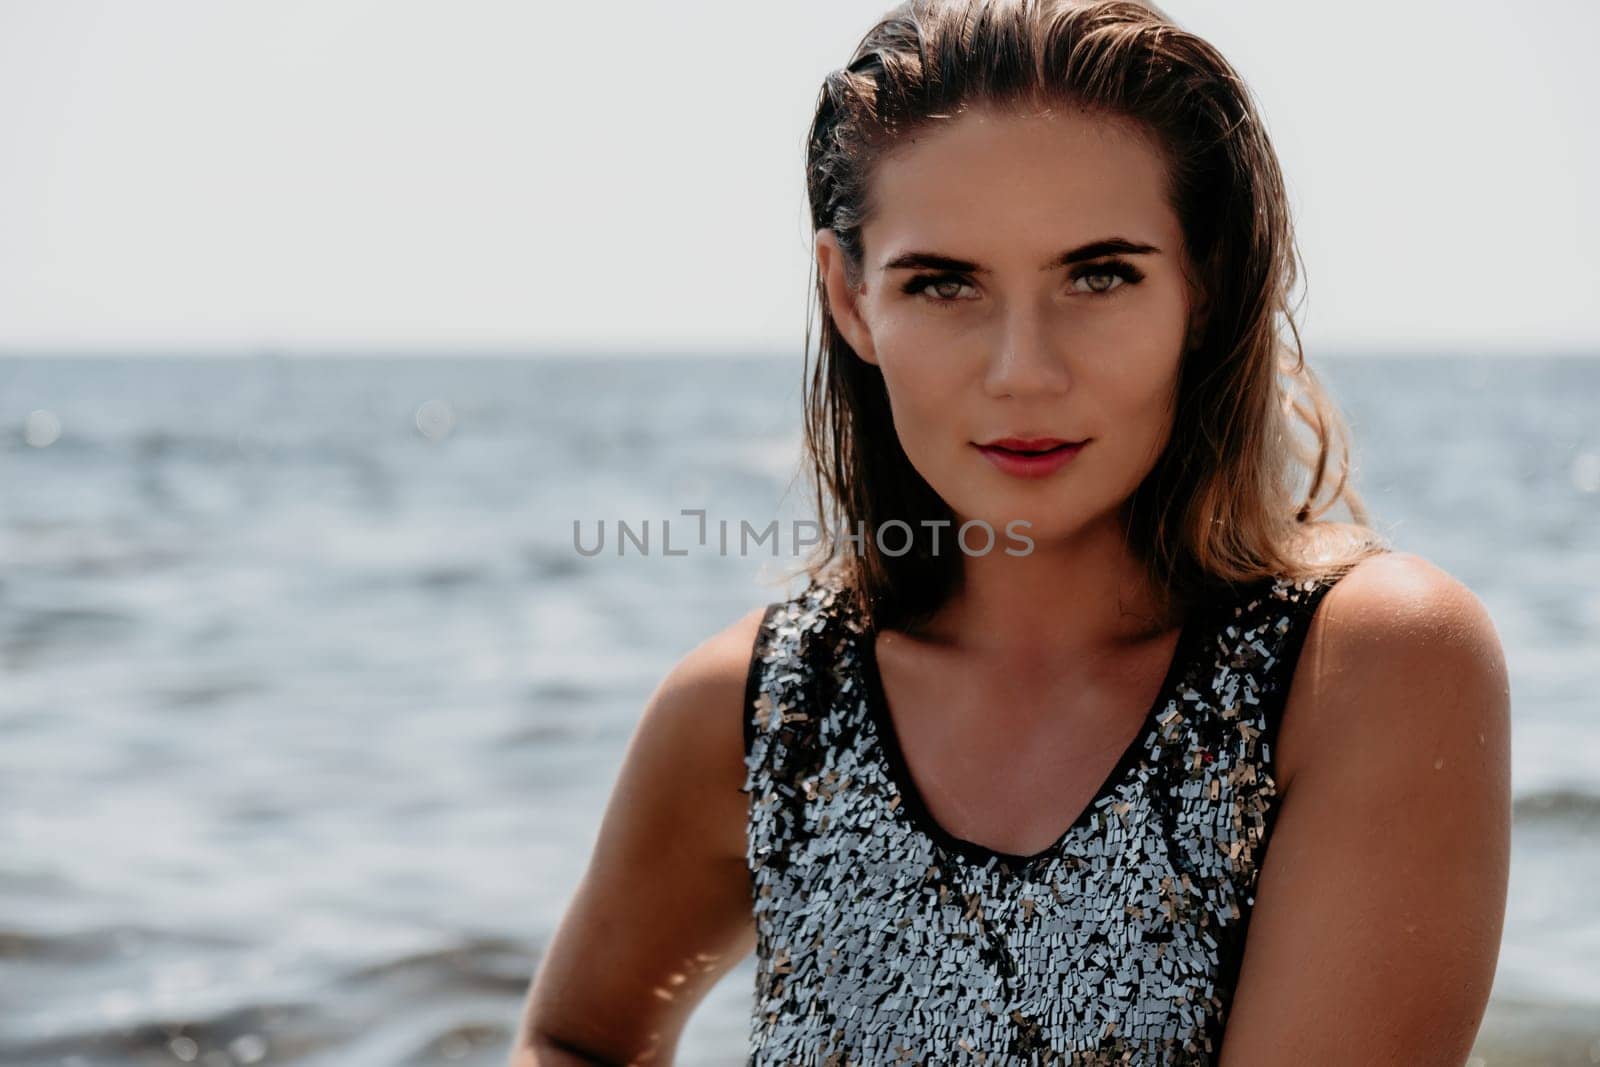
<point>842,299</point>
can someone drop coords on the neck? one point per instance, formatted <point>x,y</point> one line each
<point>1086,593</point>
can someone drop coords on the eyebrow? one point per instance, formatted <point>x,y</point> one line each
<point>1108,246</point>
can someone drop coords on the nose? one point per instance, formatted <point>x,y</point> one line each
<point>1027,359</point>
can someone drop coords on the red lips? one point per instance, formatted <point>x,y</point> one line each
<point>1028,444</point>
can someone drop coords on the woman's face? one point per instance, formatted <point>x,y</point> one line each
<point>995,309</point>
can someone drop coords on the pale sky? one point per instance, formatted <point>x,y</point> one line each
<point>315,174</point>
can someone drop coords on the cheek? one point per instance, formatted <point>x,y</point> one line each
<point>927,398</point>
<point>1147,412</point>
<point>923,396</point>
<point>1134,369</point>
<point>1140,390</point>
<point>922,370</point>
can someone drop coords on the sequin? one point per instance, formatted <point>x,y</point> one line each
<point>881,940</point>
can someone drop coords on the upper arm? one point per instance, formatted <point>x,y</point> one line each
<point>1381,896</point>
<point>663,909</point>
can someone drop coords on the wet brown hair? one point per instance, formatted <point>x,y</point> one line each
<point>1221,505</point>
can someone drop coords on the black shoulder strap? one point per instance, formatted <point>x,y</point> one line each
<point>752,681</point>
<point>1291,606</point>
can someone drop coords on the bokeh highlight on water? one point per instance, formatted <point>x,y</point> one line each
<point>309,709</point>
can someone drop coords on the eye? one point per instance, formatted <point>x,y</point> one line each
<point>1101,279</point>
<point>1107,277</point>
<point>944,287</point>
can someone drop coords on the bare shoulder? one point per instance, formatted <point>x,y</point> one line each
<point>1408,606</point>
<point>1397,647</point>
<point>692,728</point>
<point>716,667</point>
<point>1389,860</point>
<point>674,828</point>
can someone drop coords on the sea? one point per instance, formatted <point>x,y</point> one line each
<point>312,693</point>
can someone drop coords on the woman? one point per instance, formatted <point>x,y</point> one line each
<point>1053,258</point>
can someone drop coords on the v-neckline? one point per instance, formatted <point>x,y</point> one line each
<point>916,807</point>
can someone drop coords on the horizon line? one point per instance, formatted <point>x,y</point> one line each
<point>760,351</point>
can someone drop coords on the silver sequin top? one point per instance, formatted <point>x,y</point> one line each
<point>884,939</point>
